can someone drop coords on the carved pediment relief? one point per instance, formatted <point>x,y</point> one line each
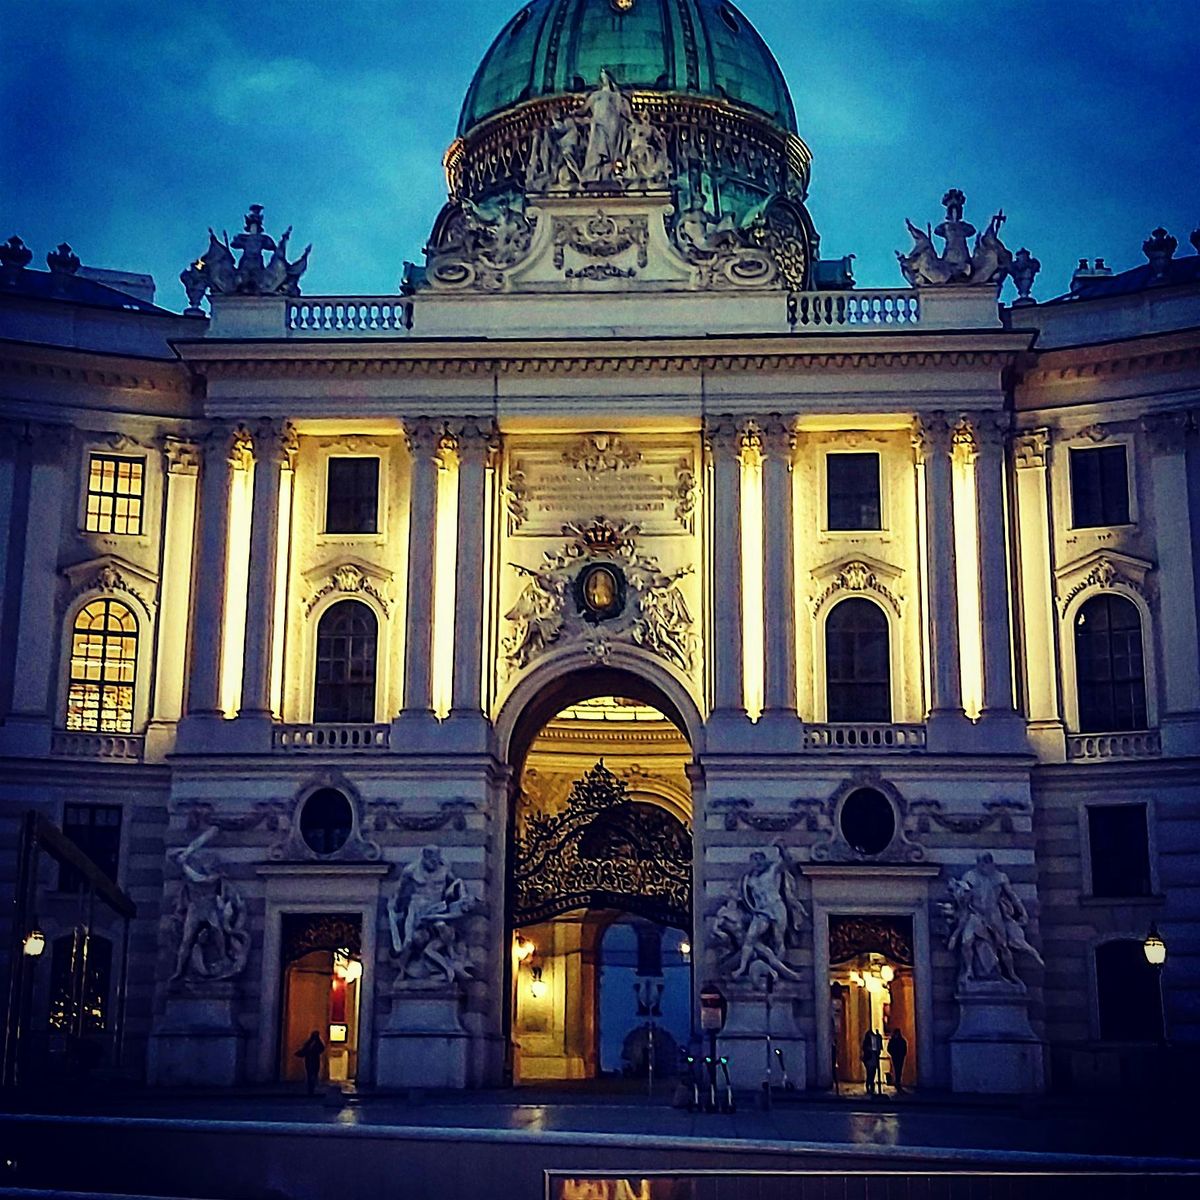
<point>350,576</point>
<point>1103,569</point>
<point>110,573</point>
<point>859,574</point>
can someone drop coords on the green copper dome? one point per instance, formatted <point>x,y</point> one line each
<point>702,47</point>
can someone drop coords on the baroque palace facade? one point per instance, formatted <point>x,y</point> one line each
<point>629,609</point>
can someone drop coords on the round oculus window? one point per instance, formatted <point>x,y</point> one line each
<point>868,821</point>
<point>600,592</point>
<point>326,821</point>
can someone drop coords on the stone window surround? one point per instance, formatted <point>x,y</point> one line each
<point>307,665</point>
<point>1085,849</point>
<point>1094,438</point>
<point>1070,677</point>
<point>351,447</point>
<point>119,445</point>
<point>884,532</point>
<point>143,671</point>
<point>820,697</point>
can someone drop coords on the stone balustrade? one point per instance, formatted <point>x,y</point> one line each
<point>874,737</point>
<point>818,311</point>
<point>1095,747</point>
<point>117,747</point>
<point>399,316</point>
<point>351,738</point>
<point>349,316</point>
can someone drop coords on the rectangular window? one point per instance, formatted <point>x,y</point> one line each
<point>1120,849</point>
<point>1099,487</point>
<point>116,494</point>
<point>853,481</point>
<point>352,496</point>
<point>96,830</point>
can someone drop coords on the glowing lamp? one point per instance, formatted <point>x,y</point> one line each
<point>34,944</point>
<point>685,947</point>
<point>353,971</point>
<point>538,987</point>
<point>886,973</point>
<point>1154,948</point>
<point>523,948</point>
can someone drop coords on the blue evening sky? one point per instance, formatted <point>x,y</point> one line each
<point>127,127</point>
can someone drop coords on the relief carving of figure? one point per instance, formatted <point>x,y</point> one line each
<point>759,921</point>
<point>666,621</point>
<point>423,916</point>
<point>210,915</point>
<point>472,247</point>
<point>989,924</point>
<point>537,615</point>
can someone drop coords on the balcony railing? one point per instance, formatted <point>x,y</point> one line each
<point>864,737</point>
<point>400,316</point>
<point>838,310</point>
<point>361,738</point>
<point>1097,747</point>
<point>114,747</point>
<point>350,316</point>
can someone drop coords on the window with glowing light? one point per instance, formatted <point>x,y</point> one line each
<point>1099,487</point>
<point>80,981</point>
<point>103,668</point>
<point>857,663</point>
<point>347,643</point>
<point>853,491</point>
<point>1109,666</point>
<point>96,830</point>
<point>116,494</point>
<point>352,496</point>
<point>1119,847</point>
<point>1127,993</point>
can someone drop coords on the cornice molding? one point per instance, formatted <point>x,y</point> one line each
<point>1108,359</point>
<point>67,365</point>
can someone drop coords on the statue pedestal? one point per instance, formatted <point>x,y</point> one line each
<point>994,1048</point>
<point>424,1043</point>
<point>197,1042</point>
<point>744,1039</point>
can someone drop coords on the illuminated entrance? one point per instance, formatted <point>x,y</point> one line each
<point>600,895</point>
<point>871,988</point>
<point>322,972</point>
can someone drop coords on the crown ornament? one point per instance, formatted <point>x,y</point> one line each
<point>602,536</point>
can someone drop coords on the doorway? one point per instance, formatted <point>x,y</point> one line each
<point>871,987</point>
<point>321,985</point>
<point>600,895</point>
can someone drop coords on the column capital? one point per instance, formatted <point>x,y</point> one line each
<point>779,437</point>
<point>1030,448</point>
<point>932,434</point>
<point>233,443</point>
<point>964,440</point>
<point>275,442</point>
<point>724,437</point>
<point>991,431</point>
<point>475,441</point>
<point>1169,432</point>
<point>428,439</point>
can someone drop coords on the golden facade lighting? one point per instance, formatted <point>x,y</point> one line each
<point>237,579</point>
<point>444,569</point>
<point>966,551</point>
<point>753,593</point>
<point>283,541</point>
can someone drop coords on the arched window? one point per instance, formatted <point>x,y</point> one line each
<point>858,681</point>
<point>347,637</point>
<point>1127,993</point>
<point>1108,665</point>
<point>103,668</point>
<point>80,980</point>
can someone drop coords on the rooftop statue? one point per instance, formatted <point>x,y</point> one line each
<point>988,262</point>
<point>602,143</point>
<point>470,247</point>
<point>254,274</point>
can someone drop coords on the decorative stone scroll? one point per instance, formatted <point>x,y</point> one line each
<point>600,587</point>
<point>385,814</point>
<point>471,248</point>
<point>860,575</point>
<point>348,578</point>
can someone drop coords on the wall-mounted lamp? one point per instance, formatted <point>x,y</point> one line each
<point>1154,948</point>
<point>34,944</point>
<point>685,948</point>
<point>523,948</point>
<point>538,987</point>
<point>886,973</point>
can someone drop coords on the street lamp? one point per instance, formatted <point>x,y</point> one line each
<point>34,944</point>
<point>1155,950</point>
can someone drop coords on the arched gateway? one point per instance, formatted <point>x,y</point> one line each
<point>599,880</point>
